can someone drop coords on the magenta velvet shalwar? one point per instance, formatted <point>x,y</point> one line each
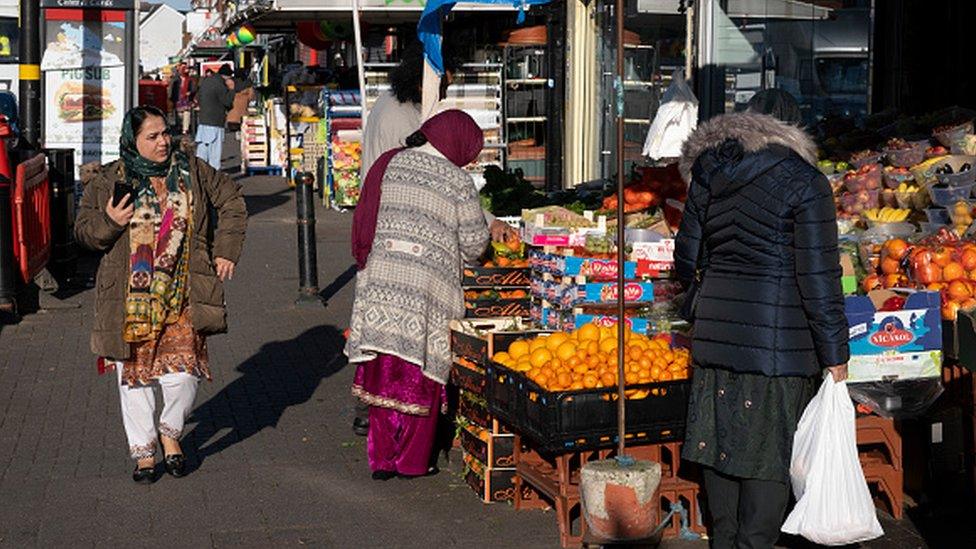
<point>402,414</point>
<point>403,402</point>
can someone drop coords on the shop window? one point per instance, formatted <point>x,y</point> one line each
<point>818,51</point>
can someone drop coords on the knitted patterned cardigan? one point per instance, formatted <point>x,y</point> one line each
<point>429,222</point>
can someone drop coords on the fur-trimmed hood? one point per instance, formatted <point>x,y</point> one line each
<point>753,131</point>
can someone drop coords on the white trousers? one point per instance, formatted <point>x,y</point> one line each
<point>139,410</point>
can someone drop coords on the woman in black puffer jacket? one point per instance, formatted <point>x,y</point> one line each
<point>760,227</point>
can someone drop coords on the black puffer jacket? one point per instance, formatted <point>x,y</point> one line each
<point>770,300</point>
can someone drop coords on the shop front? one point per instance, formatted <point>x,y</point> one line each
<point>536,355</point>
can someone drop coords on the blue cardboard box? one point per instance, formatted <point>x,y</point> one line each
<point>888,345</point>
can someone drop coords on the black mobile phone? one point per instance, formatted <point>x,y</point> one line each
<point>122,194</point>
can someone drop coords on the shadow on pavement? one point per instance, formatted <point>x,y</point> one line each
<point>338,284</point>
<point>258,203</point>
<point>282,374</point>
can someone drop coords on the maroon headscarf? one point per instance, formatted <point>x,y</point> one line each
<point>454,133</point>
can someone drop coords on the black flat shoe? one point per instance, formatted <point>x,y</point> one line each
<point>144,476</point>
<point>175,465</point>
<point>360,426</point>
<point>383,475</point>
<point>430,472</point>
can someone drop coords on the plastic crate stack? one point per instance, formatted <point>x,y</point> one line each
<point>880,450</point>
<point>255,145</point>
<point>488,448</point>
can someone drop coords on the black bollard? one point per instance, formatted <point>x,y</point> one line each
<point>308,274</point>
<point>30,70</point>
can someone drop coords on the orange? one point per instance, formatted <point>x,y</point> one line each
<point>645,363</point>
<point>958,291</point>
<point>608,379</point>
<point>518,349</point>
<point>543,381</point>
<point>631,378</point>
<point>589,332</point>
<point>608,345</point>
<point>608,332</point>
<point>565,351</point>
<point>573,361</point>
<point>655,372</point>
<point>590,381</point>
<point>502,358</point>
<point>635,353</point>
<point>576,386</point>
<point>592,348</point>
<point>564,379</point>
<point>952,271</point>
<point>581,368</point>
<point>537,343</point>
<point>593,361</point>
<point>540,357</point>
<point>555,340</point>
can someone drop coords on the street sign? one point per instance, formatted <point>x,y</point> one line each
<point>90,4</point>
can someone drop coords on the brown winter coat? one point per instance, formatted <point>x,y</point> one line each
<point>94,229</point>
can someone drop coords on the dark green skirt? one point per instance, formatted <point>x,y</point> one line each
<point>742,425</point>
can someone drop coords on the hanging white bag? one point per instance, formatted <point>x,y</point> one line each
<point>676,118</point>
<point>833,506</point>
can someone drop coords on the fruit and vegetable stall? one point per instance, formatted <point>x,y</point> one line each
<point>536,357</point>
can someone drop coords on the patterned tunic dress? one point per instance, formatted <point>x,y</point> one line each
<point>429,222</point>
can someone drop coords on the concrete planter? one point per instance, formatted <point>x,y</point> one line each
<point>618,501</point>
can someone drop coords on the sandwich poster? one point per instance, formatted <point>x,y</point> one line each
<point>84,87</point>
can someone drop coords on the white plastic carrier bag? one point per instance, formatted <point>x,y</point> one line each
<point>676,118</point>
<point>833,506</point>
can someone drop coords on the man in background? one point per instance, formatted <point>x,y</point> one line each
<point>216,97</point>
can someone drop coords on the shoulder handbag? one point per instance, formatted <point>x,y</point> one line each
<point>690,303</point>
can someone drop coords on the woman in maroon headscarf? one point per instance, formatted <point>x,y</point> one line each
<point>418,220</point>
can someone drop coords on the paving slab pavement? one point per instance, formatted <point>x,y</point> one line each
<point>274,461</point>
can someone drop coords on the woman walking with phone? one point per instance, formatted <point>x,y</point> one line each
<point>159,286</point>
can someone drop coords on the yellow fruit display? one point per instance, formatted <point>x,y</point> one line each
<point>587,359</point>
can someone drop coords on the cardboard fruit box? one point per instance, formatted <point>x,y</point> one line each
<point>492,484</point>
<point>494,450</point>
<point>476,340</point>
<point>468,376</point>
<point>490,308</point>
<point>894,345</point>
<point>494,277</point>
<point>472,412</point>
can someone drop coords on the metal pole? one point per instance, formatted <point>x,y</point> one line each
<point>555,93</point>
<point>30,71</point>
<point>308,276</point>
<point>621,256</point>
<point>360,60</point>
<point>132,56</point>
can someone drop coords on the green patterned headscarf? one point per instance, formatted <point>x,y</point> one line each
<point>139,169</point>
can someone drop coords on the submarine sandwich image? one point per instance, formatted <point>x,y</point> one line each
<point>80,102</point>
